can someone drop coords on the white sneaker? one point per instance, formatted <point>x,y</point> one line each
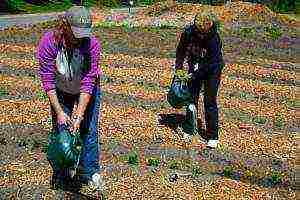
<point>192,112</point>
<point>97,183</point>
<point>213,143</point>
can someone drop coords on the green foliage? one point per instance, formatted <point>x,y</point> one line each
<point>276,177</point>
<point>243,116</point>
<point>42,95</point>
<point>247,32</point>
<point>153,162</point>
<point>133,158</point>
<point>259,120</point>
<point>279,121</point>
<point>3,92</point>
<point>282,6</point>
<point>45,147</point>
<point>293,103</point>
<point>247,96</point>
<point>196,171</point>
<point>109,3</point>
<point>273,32</point>
<point>23,7</point>
<point>15,5</point>
<point>227,171</point>
<point>89,3</point>
<point>146,2</point>
<point>174,164</point>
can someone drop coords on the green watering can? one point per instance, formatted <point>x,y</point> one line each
<point>64,148</point>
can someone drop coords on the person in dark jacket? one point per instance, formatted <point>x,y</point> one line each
<point>201,46</point>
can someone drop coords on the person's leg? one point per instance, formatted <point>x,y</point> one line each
<point>89,161</point>
<point>211,86</point>
<point>190,124</point>
<point>195,88</point>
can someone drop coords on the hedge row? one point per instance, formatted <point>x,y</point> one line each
<point>32,6</point>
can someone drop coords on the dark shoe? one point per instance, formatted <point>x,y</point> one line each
<point>66,184</point>
<point>204,134</point>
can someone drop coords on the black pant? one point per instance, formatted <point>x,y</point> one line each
<point>209,77</point>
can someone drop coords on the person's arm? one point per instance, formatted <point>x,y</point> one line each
<point>216,51</point>
<point>46,57</point>
<point>89,80</point>
<point>54,102</point>
<point>181,51</point>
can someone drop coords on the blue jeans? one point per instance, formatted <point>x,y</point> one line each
<point>209,77</point>
<point>89,160</point>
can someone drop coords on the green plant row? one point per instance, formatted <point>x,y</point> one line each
<point>21,6</point>
<point>188,165</point>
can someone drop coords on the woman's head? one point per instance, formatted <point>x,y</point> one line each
<point>74,27</point>
<point>204,21</point>
<point>73,31</point>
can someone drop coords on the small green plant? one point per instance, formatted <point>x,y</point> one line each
<point>273,32</point>
<point>293,103</point>
<point>3,92</point>
<point>152,87</point>
<point>186,164</point>
<point>154,162</point>
<point>24,142</point>
<point>45,146</point>
<point>174,164</point>
<point>106,79</point>
<point>222,148</point>
<point>196,171</point>
<point>113,144</point>
<point>247,95</point>
<point>259,120</point>
<point>276,177</point>
<point>133,158</point>
<point>36,143</point>
<point>127,26</point>
<point>279,121</point>
<point>247,32</point>
<point>243,117</point>
<point>42,95</point>
<point>248,174</point>
<point>227,171</point>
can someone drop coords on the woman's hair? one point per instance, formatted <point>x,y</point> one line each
<point>62,32</point>
<point>206,15</point>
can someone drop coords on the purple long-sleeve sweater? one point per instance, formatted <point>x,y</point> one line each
<point>47,53</point>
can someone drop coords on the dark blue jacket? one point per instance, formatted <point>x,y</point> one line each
<point>204,49</point>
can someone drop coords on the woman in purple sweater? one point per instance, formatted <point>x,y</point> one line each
<point>69,71</point>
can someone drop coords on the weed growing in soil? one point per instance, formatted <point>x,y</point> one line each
<point>154,162</point>
<point>133,158</point>
<point>3,92</point>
